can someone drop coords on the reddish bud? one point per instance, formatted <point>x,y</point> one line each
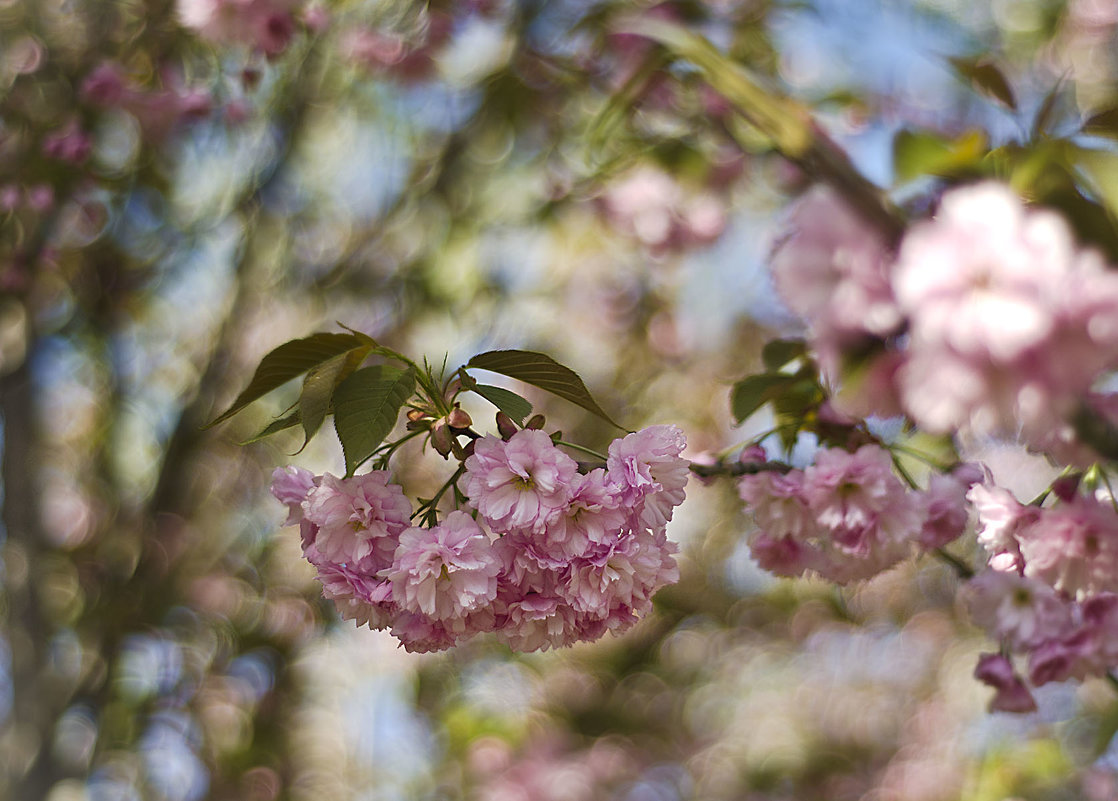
<point>505,426</point>
<point>442,440</point>
<point>536,422</point>
<point>416,414</point>
<point>459,418</point>
<point>468,451</point>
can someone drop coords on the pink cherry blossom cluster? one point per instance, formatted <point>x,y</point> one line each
<point>847,517</point>
<point>1051,590</point>
<point>988,316</point>
<point>550,556</point>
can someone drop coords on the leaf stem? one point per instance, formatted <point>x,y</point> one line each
<point>585,450</point>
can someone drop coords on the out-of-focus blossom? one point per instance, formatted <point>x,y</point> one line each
<point>1010,323</point>
<point>1012,694</point>
<point>649,205</point>
<point>265,25</point>
<point>1022,611</point>
<point>158,111</point>
<point>945,504</point>
<point>832,269</point>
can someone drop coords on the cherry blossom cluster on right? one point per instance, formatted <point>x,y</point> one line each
<point>987,319</point>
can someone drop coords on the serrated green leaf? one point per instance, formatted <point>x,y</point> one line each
<point>778,352</point>
<point>288,361</point>
<point>319,385</point>
<point>541,371</point>
<point>754,391</point>
<point>919,153</point>
<point>281,424</point>
<point>986,78</point>
<point>506,400</point>
<point>366,407</point>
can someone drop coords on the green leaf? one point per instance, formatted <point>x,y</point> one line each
<point>289,360</point>
<point>784,121</point>
<point>506,400</point>
<point>986,78</point>
<point>918,153</point>
<point>754,391</point>
<point>366,406</point>
<point>544,372</point>
<point>281,424</point>
<point>778,352</point>
<point>319,386</point>
<point>1103,123</point>
<point>1100,168</point>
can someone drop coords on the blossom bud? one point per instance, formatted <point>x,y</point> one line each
<point>535,422</point>
<point>442,439</point>
<point>468,451</point>
<point>1066,487</point>
<point>459,418</point>
<point>505,426</point>
<point>416,414</point>
<point>754,454</point>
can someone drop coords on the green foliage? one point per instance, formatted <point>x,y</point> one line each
<point>754,391</point>
<point>985,77</point>
<point>319,386</point>
<point>920,153</point>
<point>506,400</point>
<point>544,372</point>
<point>290,360</point>
<point>366,407</point>
<point>778,352</point>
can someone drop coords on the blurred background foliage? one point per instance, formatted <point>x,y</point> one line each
<point>452,177</point>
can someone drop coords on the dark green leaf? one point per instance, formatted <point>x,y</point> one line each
<point>753,392</point>
<point>543,372</point>
<point>985,78</point>
<point>918,153</point>
<point>289,360</point>
<point>1103,123</point>
<point>319,386</point>
<point>280,424</point>
<point>366,406</point>
<point>506,400</point>
<point>779,352</point>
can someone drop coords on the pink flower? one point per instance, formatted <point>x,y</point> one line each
<point>522,484</point>
<point>860,503</point>
<point>1000,516</point>
<point>1073,547</point>
<point>1020,610</point>
<point>623,574</point>
<point>833,271</point>
<point>650,473</point>
<point>946,507</point>
<point>537,622</point>
<point>593,516</point>
<point>1010,324</point>
<point>784,556</point>
<point>358,519</point>
<point>290,486</point>
<point>777,504</point>
<point>1012,694</point>
<point>358,596</point>
<point>446,571</point>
